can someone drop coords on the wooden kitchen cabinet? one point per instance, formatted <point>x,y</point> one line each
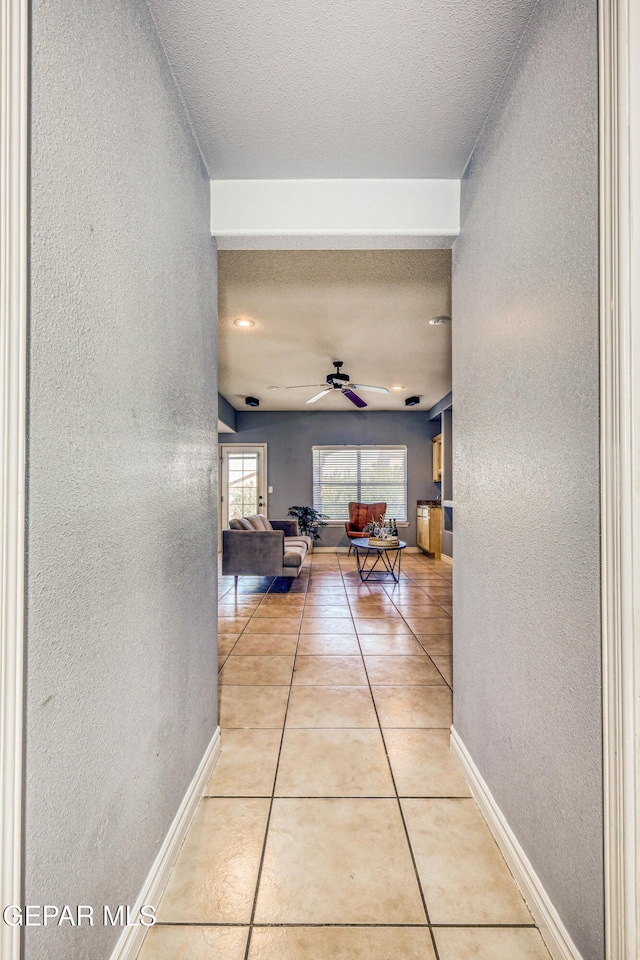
<point>430,530</point>
<point>423,528</point>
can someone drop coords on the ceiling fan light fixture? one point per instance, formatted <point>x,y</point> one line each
<point>273,388</point>
<point>341,382</point>
<point>244,323</point>
<point>399,387</point>
<point>439,321</point>
<point>338,379</point>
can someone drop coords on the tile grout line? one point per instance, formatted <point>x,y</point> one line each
<point>317,609</point>
<point>415,636</point>
<point>240,635</point>
<point>402,926</point>
<point>400,810</point>
<point>275,779</point>
<point>243,629</point>
<point>310,687</point>
<point>337,796</point>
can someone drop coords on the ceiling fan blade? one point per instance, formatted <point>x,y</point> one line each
<point>304,386</point>
<point>359,402</point>
<point>364,386</point>
<point>319,396</point>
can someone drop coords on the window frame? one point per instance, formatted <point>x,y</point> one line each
<point>358,447</point>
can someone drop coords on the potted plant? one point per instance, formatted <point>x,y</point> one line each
<point>309,521</point>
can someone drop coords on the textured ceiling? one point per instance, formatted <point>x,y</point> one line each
<point>328,88</point>
<point>370,309</point>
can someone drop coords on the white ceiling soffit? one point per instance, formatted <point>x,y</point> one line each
<point>312,214</point>
<point>223,428</point>
<point>328,89</point>
<point>368,308</point>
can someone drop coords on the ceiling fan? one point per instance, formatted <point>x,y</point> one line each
<point>342,382</point>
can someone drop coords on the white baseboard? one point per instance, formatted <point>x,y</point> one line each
<point>430,556</point>
<point>129,943</point>
<point>559,943</point>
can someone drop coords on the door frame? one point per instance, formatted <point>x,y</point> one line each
<point>236,447</point>
<point>619,66</point>
<point>619,21</point>
<point>14,173</point>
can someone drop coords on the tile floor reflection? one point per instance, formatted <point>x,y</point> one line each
<point>336,823</point>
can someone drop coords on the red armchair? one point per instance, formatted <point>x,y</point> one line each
<point>360,514</point>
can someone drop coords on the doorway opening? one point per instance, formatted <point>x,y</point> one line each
<point>243,481</point>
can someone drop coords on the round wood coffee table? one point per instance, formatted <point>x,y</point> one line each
<point>390,567</point>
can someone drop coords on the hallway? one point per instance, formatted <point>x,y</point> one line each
<point>336,823</point>
<point>149,147</point>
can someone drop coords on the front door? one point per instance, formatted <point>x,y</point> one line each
<point>243,481</point>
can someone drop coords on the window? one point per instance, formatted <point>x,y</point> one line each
<point>364,474</point>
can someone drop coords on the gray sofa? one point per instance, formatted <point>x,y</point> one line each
<point>257,547</point>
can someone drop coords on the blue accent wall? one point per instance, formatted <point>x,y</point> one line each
<point>227,413</point>
<point>445,404</point>
<point>290,435</point>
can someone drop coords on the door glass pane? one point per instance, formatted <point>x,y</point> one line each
<point>243,484</point>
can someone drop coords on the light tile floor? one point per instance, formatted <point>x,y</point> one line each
<point>337,824</point>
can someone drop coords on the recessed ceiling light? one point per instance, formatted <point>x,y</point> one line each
<point>273,388</point>
<point>439,321</point>
<point>400,387</point>
<point>244,322</point>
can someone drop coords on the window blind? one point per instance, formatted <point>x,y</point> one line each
<point>365,474</point>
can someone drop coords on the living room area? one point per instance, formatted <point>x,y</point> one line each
<point>298,330</point>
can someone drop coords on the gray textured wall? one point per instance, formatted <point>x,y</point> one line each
<point>291,436</point>
<point>525,381</point>
<point>121,653</point>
